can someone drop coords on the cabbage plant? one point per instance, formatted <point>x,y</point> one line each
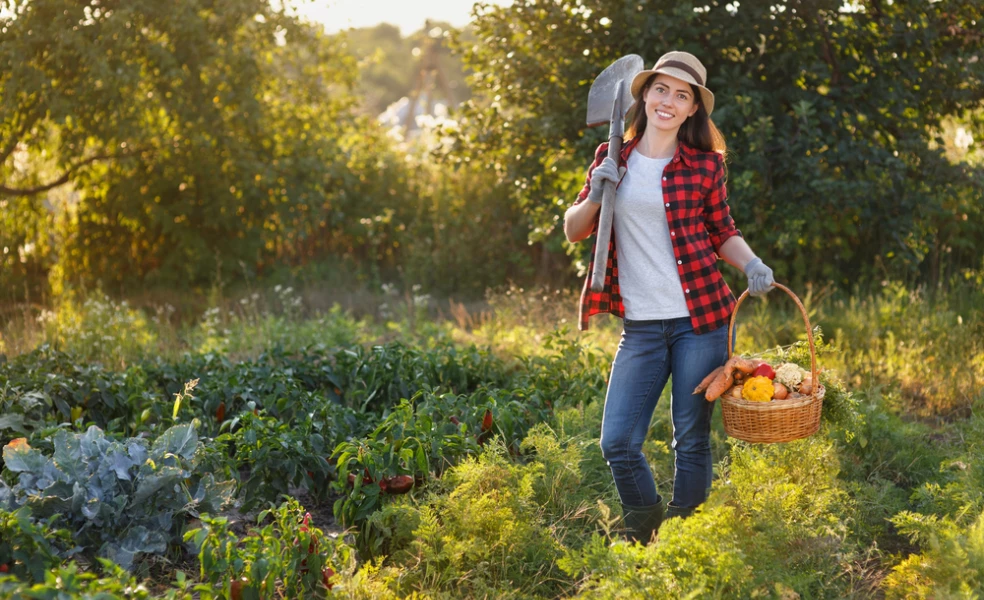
<point>120,499</point>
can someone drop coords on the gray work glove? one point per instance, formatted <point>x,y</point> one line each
<point>759,277</point>
<point>608,170</point>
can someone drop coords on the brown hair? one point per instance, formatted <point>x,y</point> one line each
<point>698,131</point>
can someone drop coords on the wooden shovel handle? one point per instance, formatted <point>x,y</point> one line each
<point>605,218</point>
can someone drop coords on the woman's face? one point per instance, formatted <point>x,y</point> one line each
<point>669,101</point>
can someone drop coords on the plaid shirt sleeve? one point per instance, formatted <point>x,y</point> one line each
<point>717,214</point>
<point>604,301</point>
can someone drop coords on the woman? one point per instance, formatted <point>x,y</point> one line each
<point>671,222</point>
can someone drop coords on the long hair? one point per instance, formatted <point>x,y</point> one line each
<point>698,131</point>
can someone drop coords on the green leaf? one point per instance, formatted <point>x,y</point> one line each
<point>13,422</point>
<point>23,459</point>
<point>181,440</point>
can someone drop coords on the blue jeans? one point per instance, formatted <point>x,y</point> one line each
<point>648,353</point>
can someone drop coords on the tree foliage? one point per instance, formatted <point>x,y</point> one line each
<point>195,133</point>
<point>176,145</point>
<point>832,113</point>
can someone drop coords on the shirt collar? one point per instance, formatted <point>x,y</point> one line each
<point>684,151</point>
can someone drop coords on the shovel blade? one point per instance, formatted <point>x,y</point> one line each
<point>601,96</point>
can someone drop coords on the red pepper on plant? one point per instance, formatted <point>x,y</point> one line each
<point>312,545</point>
<point>366,479</point>
<point>236,589</point>
<point>400,484</point>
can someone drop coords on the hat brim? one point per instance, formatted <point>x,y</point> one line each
<point>706,95</point>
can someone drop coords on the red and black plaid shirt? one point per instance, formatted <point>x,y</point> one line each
<point>700,221</point>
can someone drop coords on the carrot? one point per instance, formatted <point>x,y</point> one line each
<point>718,387</point>
<point>720,384</point>
<point>707,380</point>
<point>747,365</point>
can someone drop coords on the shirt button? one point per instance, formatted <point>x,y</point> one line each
<point>687,291</point>
<point>667,205</point>
<point>664,179</point>
<point>673,233</point>
<point>679,262</point>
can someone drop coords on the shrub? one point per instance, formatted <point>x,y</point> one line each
<point>794,502</point>
<point>285,556</point>
<point>487,537</point>
<point>701,556</point>
<point>68,581</point>
<point>48,386</point>
<point>28,549</point>
<point>951,564</point>
<point>98,329</point>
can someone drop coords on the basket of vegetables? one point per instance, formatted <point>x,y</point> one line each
<point>765,403</point>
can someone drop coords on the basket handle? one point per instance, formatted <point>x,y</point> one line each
<point>806,321</point>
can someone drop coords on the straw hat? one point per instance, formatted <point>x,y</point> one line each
<point>681,65</point>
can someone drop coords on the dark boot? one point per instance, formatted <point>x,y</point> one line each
<point>678,511</point>
<point>640,523</point>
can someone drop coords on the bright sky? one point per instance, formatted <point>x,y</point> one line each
<point>408,15</point>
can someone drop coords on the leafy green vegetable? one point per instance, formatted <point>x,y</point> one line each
<point>121,498</point>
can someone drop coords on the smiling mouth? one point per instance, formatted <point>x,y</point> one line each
<point>663,115</point>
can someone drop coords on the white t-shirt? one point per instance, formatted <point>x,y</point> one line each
<point>647,269</point>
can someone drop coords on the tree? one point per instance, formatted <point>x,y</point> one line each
<point>830,111</point>
<point>197,133</point>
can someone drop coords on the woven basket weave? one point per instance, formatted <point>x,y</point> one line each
<point>778,420</point>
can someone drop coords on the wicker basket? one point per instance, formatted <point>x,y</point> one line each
<point>778,420</point>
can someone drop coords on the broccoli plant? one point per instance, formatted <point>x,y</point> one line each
<point>121,499</point>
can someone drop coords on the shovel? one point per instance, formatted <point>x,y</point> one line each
<point>609,99</point>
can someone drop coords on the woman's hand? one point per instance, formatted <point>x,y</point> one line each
<point>759,277</point>
<point>580,219</point>
<point>608,170</point>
